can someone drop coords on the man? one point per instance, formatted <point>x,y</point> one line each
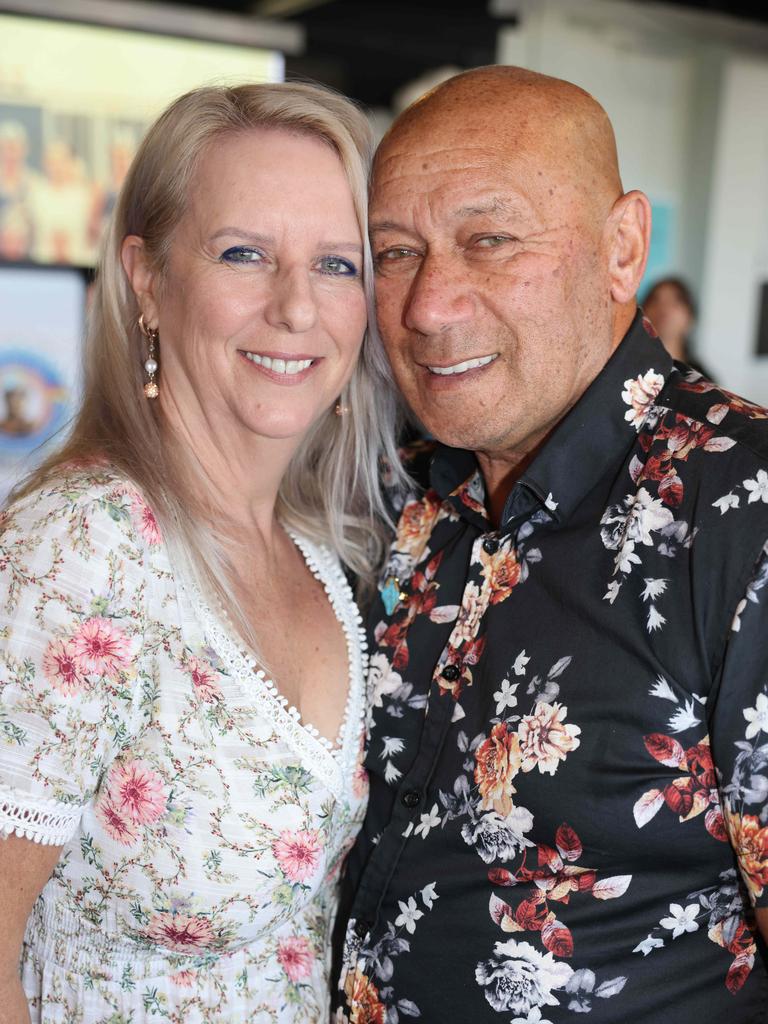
<point>568,752</point>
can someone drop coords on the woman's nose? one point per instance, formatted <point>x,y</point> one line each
<point>292,306</point>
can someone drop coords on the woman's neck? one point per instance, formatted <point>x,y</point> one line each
<point>238,480</point>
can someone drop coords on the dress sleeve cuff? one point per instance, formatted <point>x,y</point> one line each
<point>47,822</point>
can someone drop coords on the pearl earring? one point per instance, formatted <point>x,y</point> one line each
<point>151,389</point>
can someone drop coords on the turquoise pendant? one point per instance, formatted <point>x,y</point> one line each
<point>391,594</point>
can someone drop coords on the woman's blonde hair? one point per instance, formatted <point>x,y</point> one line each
<point>331,491</point>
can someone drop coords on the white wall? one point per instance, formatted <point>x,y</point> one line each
<point>737,249</point>
<point>688,97</point>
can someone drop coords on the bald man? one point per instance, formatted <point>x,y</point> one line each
<point>568,753</point>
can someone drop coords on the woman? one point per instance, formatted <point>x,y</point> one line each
<point>670,307</point>
<point>173,608</point>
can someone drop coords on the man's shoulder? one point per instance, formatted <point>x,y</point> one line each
<point>737,420</point>
<point>416,459</point>
<point>411,483</point>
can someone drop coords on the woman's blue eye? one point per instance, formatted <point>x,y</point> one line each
<point>338,266</point>
<point>242,254</point>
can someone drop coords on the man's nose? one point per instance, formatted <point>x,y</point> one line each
<point>440,297</point>
<point>292,305</point>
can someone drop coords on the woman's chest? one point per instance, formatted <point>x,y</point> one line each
<point>224,813</point>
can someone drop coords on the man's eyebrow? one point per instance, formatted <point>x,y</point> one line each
<point>493,205</point>
<point>496,204</point>
<point>385,225</point>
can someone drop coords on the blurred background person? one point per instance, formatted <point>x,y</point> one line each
<point>16,421</point>
<point>121,151</point>
<point>17,184</point>
<point>15,233</point>
<point>61,203</point>
<point>670,307</point>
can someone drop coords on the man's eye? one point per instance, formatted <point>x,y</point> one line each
<point>242,254</point>
<point>337,266</point>
<point>397,252</point>
<point>492,241</point>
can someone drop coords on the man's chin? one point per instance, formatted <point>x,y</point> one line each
<point>456,436</point>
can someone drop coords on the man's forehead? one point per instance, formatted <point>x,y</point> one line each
<point>455,204</point>
<point>460,182</point>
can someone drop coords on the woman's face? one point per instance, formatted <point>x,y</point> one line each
<point>261,311</point>
<point>669,312</point>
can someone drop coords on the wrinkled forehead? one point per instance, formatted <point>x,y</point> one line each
<point>447,172</point>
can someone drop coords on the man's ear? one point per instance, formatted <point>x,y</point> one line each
<point>142,277</point>
<point>629,227</point>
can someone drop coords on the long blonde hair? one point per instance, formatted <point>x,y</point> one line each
<point>331,490</point>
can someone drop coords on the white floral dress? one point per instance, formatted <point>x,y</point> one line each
<point>203,825</point>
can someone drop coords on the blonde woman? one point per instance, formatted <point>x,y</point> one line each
<point>181,661</point>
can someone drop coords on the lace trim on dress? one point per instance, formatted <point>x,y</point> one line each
<point>334,766</point>
<point>44,821</point>
<point>348,615</point>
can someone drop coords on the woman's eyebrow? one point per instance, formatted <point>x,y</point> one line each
<point>259,239</point>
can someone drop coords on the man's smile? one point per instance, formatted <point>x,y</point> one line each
<point>463,367</point>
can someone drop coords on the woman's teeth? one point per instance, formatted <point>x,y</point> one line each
<point>287,366</point>
<point>468,364</point>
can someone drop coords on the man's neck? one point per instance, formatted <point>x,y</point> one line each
<point>500,474</point>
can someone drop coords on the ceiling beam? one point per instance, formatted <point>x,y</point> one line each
<point>169,19</point>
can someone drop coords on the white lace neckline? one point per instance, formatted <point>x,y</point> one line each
<point>333,763</point>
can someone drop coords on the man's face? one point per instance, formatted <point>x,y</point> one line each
<point>493,298</point>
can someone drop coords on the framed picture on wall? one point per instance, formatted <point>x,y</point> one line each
<point>41,332</point>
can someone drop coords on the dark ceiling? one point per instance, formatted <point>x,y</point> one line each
<point>369,48</point>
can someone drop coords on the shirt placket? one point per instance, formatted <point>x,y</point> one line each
<point>440,712</point>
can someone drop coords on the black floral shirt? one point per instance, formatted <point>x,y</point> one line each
<point>569,729</point>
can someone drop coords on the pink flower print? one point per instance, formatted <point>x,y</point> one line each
<point>182,933</point>
<point>204,679</point>
<point>61,667</point>
<point>115,825</point>
<point>145,521</point>
<point>297,853</point>
<point>296,957</point>
<point>360,782</point>
<point>101,647</point>
<point>183,979</point>
<point>136,791</point>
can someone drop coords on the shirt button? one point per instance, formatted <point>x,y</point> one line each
<point>411,798</point>
<point>490,545</point>
<point>451,673</point>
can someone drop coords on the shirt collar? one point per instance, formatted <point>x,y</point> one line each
<point>595,435</point>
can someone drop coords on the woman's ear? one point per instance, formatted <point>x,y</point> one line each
<point>141,275</point>
<point>629,240</point>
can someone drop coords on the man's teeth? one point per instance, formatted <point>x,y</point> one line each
<point>287,366</point>
<point>468,364</point>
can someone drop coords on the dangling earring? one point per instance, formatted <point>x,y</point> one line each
<point>151,389</point>
<point>341,410</point>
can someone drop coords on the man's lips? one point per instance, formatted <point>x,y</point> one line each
<point>454,369</point>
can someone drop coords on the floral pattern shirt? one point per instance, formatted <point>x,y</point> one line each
<point>203,825</point>
<point>568,752</point>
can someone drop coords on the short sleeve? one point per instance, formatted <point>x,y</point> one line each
<point>739,734</point>
<point>72,599</point>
